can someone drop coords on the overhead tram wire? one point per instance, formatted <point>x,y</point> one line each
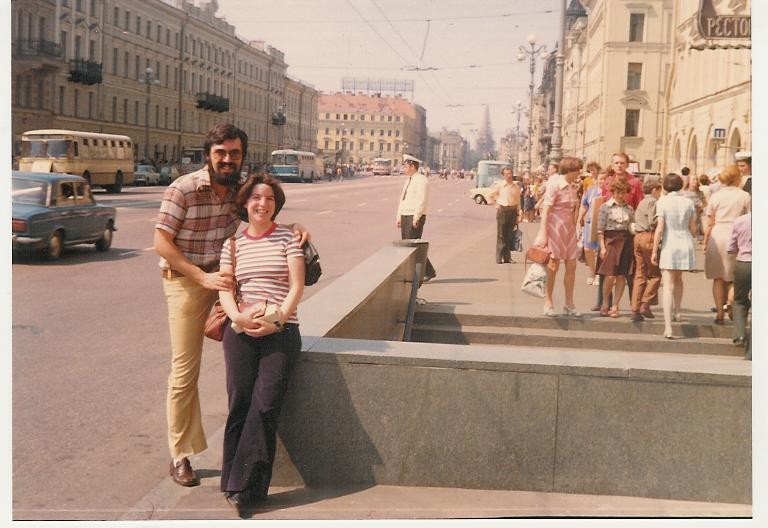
<point>402,39</point>
<point>387,43</point>
<point>444,19</point>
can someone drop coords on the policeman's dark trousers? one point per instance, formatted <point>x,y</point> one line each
<point>506,220</point>
<point>257,374</point>
<point>742,285</point>
<point>407,231</point>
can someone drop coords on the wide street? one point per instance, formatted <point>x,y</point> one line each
<point>91,346</point>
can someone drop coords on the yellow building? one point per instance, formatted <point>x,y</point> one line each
<point>356,128</point>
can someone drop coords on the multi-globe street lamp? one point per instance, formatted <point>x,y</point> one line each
<point>532,52</point>
<point>519,109</point>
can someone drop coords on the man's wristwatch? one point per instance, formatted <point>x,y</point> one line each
<point>280,327</point>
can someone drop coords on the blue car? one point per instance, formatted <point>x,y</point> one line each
<point>51,211</point>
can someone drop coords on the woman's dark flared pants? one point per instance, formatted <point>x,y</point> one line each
<point>257,375</point>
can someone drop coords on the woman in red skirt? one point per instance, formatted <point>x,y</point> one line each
<point>615,244</point>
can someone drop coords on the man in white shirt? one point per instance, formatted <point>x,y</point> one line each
<point>412,208</point>
<point>505,194</point>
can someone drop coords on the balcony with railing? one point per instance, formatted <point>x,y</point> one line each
<point>38,48</point>
<point>209,101</point>
<point>85,71</point>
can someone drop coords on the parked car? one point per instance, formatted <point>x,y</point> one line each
<point>51,210</point>
<point>168,174</point>
<point>145,175</point>
<point>480,195</point>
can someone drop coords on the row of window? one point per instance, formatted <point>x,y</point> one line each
<point>80,6</point>
<point>351,117</point>
<point>343,145</point>
<point>362,132</point>
<point>197,47</point>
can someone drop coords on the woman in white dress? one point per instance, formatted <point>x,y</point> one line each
<point>725,205</point>
<point>673,248</point>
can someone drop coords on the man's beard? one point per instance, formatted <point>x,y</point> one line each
<point>224,179</point>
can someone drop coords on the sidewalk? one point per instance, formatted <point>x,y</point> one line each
<point>470,278</point>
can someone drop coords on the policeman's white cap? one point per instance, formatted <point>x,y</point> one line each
<point>743,155</point>
<point>408,157</point>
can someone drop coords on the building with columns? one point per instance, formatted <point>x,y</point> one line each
<point>357,128</point>
<point>639,78</point>
<point>160,71</point>
<point>453,151</point>
<point>710,115</point>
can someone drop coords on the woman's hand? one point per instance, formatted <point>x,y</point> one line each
<point>260,328</point>
<point>603,252</point>
<point>541,240</point>
<point>655,257</point>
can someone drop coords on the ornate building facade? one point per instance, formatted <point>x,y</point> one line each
<point>357,128</point>
<point>616,66</point>
<point>640,78</point>
<point>160,71</point>
<point>710,105</point>
<point>454,151</point>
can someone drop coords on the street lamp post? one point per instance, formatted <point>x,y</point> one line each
<point>531,54</point>
<point>519,109</point>
<point>556,150</point>
<point>279,120</point>
<point>149,80</point>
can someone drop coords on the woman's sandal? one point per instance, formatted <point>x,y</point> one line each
<point>614,312</point>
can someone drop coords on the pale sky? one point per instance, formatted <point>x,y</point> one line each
<point>325,40</point>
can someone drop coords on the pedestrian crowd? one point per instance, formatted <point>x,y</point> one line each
<point>640,235</point>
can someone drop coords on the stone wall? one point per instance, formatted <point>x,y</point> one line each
<point>521,418</point>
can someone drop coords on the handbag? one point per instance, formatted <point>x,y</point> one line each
<point>516,240</point>
<point>537,254</point>
<point>312,269</point>
<point>218,318</point>
<point>535,280</point>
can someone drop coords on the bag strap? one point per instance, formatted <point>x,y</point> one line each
<point>233,258</point>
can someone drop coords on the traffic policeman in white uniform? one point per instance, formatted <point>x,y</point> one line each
<point>412,208</point>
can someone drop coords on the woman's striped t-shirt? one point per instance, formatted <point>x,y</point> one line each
<point>262,264</point>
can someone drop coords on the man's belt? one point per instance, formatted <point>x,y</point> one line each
<point>168,273</point>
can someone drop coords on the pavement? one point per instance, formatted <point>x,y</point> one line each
<point>467,276</point>
<point>470,278</point>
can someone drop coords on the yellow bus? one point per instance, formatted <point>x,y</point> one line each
<point>104,160</point>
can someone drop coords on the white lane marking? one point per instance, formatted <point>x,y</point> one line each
<point>137,251</point>
<point>300,200</point>
<point>439,210</point>
<point>362,204</point>
<point>327,211</point>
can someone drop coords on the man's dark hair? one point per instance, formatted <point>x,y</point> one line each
<point>672,182</point>
<point>685,171</point>
<point>222,132</point>
<point>246,190</point>
<point>650,184</point>
<point>508,167</point>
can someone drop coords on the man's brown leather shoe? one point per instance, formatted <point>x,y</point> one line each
<point>183,474</point>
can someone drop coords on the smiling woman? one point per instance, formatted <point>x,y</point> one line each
<point>263,341</point>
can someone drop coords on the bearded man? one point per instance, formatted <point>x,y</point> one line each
<point>197,216</point>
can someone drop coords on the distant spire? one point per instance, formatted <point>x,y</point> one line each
<point>485,143</point>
